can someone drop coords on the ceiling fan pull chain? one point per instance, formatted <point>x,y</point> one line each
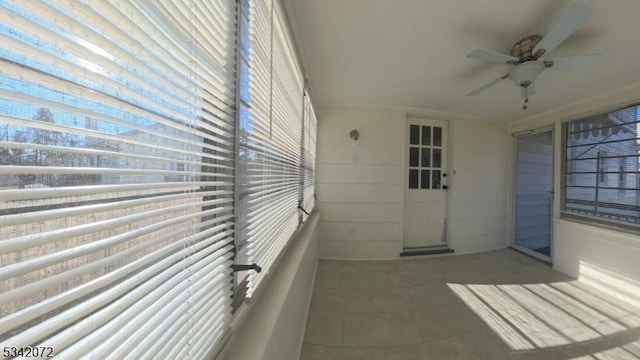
<point>526,98</point>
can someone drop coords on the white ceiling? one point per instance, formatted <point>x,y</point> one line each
<point>412,53</point>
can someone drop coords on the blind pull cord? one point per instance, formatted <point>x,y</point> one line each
<point>303,210</point>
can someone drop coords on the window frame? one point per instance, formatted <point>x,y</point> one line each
<point>568,171</point>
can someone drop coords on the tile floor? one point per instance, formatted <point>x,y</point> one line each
<point>493,305</point>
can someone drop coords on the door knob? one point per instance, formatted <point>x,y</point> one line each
<point>445,187</point>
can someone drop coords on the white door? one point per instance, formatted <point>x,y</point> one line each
<point>425,192</point>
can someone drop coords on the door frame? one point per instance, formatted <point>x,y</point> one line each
<point>514,179</point>
<point>450,176</point>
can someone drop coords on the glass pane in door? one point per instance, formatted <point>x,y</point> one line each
<point>414,135</point>
<point>414,156</point>
<point>426,135</point>
<point>437,136</point>
<point>413,179</point>
<point>426,157</point>
<point>534,192</point>
<point>424,182</point>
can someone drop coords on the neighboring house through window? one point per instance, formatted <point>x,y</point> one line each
<point>601,161</point>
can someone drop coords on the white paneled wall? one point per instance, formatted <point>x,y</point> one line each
<point>360,187</point>
<point>479,190</point>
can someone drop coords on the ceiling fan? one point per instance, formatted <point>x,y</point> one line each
<point>528,55</point>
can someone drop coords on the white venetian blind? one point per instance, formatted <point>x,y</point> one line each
<point>116,176</point>
<point>270,138</point>
<point>309,154</point>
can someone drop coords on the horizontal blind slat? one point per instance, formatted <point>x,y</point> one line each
<point>142,296</point>
<point>216,233</point>
<point>47,193</point>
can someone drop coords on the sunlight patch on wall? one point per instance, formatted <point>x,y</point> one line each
<point>609,282</point>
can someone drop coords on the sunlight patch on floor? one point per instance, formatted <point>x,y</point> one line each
<point>538,316</point>
<point>520,317</point>
<point>630,351</point>
<point>496,322</point>
<point>589,316</point>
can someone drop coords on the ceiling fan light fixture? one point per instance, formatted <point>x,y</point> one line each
<point>526,73</point>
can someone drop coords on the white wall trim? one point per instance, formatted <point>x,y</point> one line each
<point>591,106</point>
<point>424,113</point>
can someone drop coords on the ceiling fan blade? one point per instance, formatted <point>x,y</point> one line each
<point>492,56</point>
<point>487,85</point>
<point>575,16</point>
<point>529,91</point>
<point>573,63</point>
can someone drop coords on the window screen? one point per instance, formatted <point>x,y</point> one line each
<point>116,176</point>
<point>601,166</point>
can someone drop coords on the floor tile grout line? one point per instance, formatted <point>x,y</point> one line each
<point>372,290</point>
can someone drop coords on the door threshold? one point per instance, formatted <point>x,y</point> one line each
<point>428,250</point>
<point>532,254</point>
